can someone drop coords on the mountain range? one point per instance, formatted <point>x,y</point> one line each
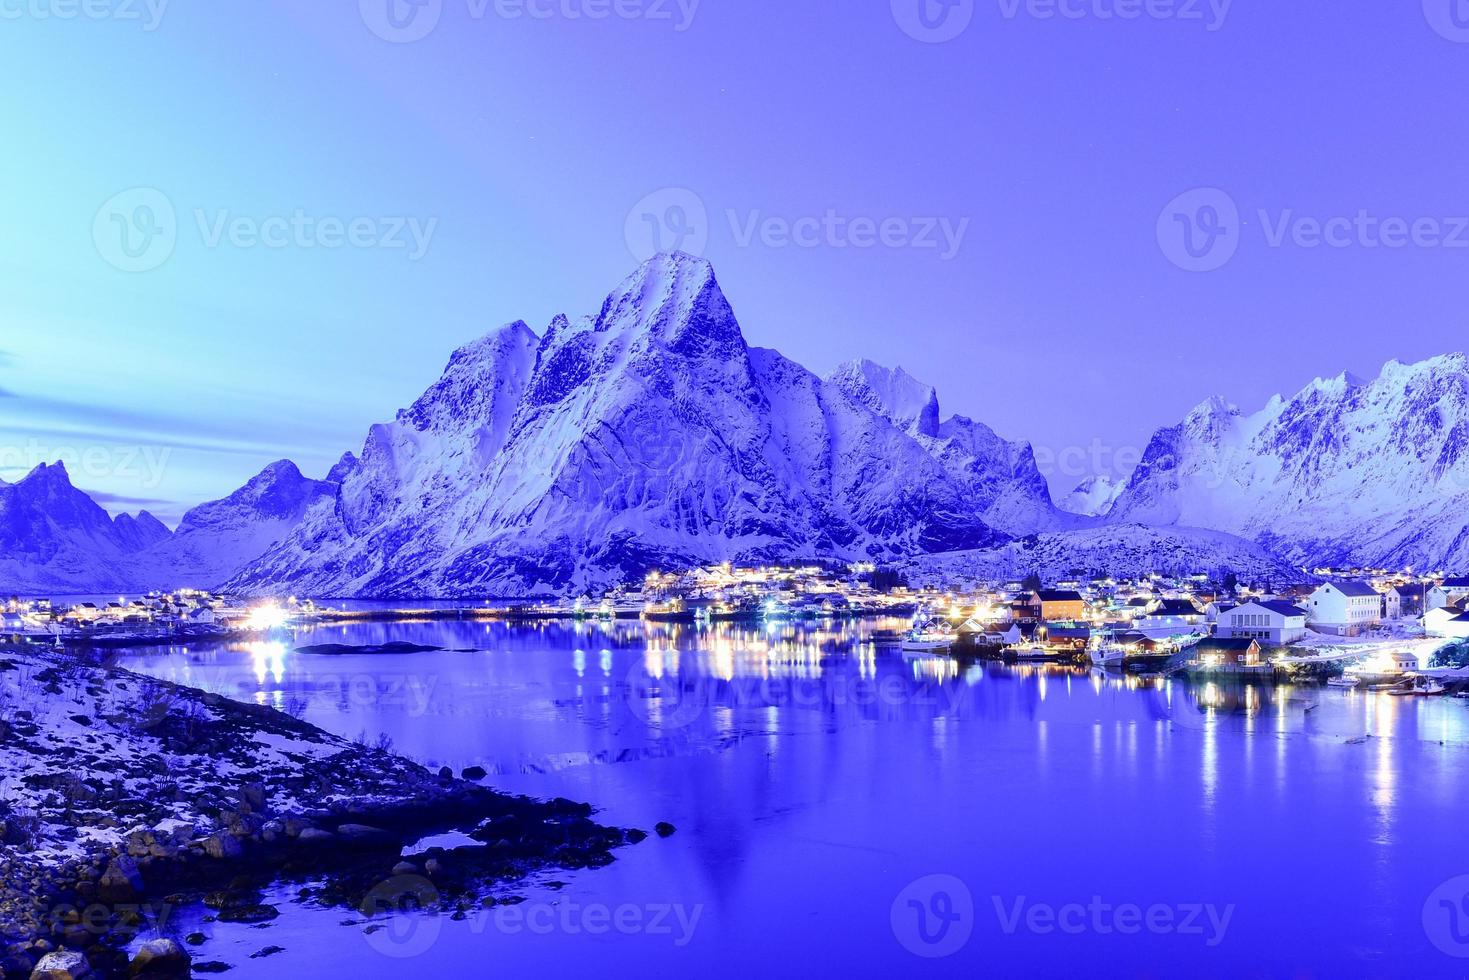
<point>651,435</point>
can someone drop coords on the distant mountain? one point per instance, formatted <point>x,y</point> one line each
<point>217,540</point>
<point>649,435</point>
<point>1346,472</point>
<point>1093,497</point>
<point>56,539</point>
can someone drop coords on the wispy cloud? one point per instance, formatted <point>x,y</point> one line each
<point>77,420</point>
<point>123,500</point>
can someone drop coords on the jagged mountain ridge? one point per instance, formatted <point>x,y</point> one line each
<point>55,538</point>
<point>647,435</point>
<point>1346,472</point>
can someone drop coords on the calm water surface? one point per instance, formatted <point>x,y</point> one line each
<point>842,809</point>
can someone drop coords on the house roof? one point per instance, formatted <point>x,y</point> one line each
<point>1353,590</point>
<point>1059,595</point>
<point>1460,582</point>
<point>1281,608</point>
<point>1227,646</point>
<point>1178,607</point>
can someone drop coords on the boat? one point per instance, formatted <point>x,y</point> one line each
<point>1345,682</point>
<point>1035,653</point>
<point>1418,687</point>
<point>1107,656</point>
<point>928,635</point>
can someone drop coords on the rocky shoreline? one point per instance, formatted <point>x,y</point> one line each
<point>123,798</point>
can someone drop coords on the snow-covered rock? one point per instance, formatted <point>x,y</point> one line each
<point>1093,497</point>
<point>1345,472</point>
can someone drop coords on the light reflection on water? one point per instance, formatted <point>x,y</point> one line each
<point>814,772</point>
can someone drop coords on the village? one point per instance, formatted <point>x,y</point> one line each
<point>1350,627</point>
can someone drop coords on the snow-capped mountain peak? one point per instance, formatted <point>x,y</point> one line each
<point>1345,471</point>
<point>890,392</point>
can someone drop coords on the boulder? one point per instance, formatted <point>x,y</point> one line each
<point>64,964</point>
<point>121,883</point>
<point>160,959</point>
<point>315,835</point>
<point>359,833</point>
<point>223,846</point>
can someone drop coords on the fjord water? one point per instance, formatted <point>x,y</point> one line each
<point>843,809</point>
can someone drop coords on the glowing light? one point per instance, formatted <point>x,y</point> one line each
<point>264,618</point>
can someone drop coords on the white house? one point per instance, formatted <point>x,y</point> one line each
<point>1450,621</point>
<point>1272,622</point>
<point>1344,608</point>
<point>1172,614</point>
<point>1452,591</point>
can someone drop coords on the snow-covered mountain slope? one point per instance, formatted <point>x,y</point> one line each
<point>54,539</point>
<point>1122,550</point>
<point>1093,497</point>
<point>215,541</point>
<point>648,435</point>
<point>1345,472</point>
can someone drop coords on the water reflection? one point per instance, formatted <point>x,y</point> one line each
<point>812,767</point>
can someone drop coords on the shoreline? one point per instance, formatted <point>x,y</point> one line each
<point>125,794</point>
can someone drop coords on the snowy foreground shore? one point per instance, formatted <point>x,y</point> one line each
<point>123,798</point>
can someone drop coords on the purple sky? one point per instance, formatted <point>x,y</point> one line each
<point>525,150</point>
